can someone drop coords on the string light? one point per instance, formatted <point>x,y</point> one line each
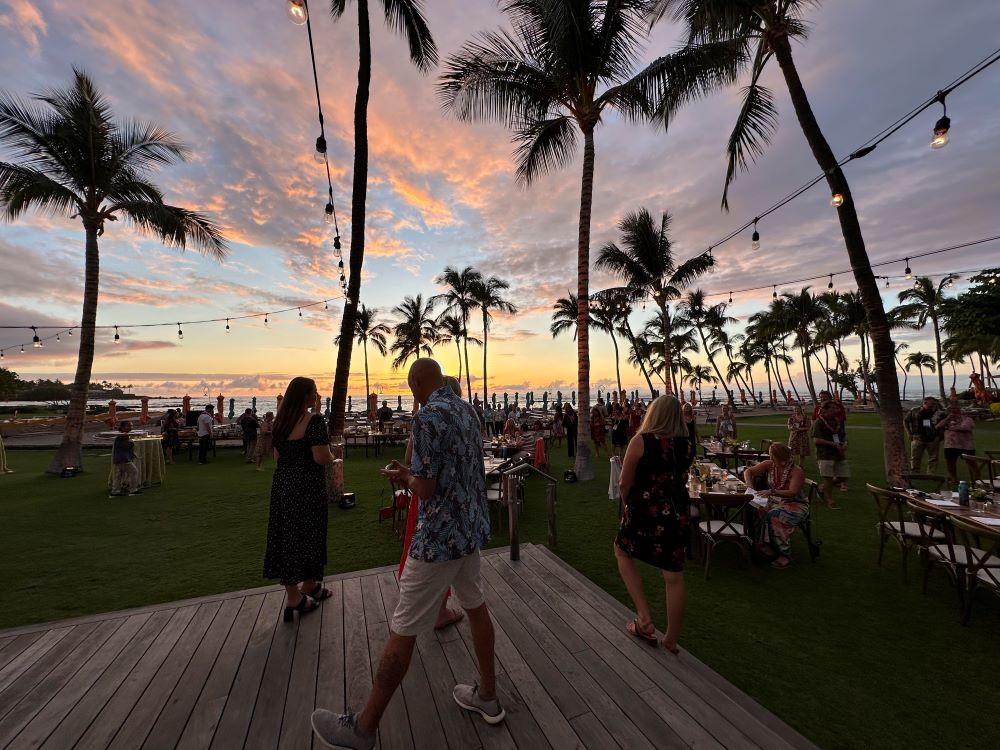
<point>117,337</point>
<point>774,294</point>
<point>730,298</point>
<point>70,333</point>
<point>755,237</point>
<point>886,282</point>
<point>837,200</point>
<point>943,125</point>
<point>35,341</point>
<point>57,337</point>
<point>300,312</point>
<point>180,333</point>
<point>711,261</point>
<point>908,273</point>
<point>320,155</point>
<point>830,285</point>
<point>297,12</point>
<point>227,325</point>
<point>265,320</point>
<point>326,306</point>
<point>328,214</point>
<point>22,348</point>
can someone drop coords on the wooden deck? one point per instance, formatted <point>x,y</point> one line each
<point>225,672</point>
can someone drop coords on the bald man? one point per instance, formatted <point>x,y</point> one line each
<point>453,523</point>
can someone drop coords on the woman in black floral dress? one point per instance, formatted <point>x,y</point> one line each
<point>655,520</point>
<point>297,521</point>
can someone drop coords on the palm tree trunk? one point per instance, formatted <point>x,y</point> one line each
<point>668,364</point>
<point>70,451</point>
<point>618,370</point>
<point>905,375</point>
<point>923,390</point>
<point>458,346</point>
<point>359,194</point>
<point>486,335</point>
<point>718,372</point>
<point>807,372</point>
<point>468,376</point>
<point>791,382</point>
<point>584,464</point>
<point>939,356</point>
<point>770,387</point>
<point>878,324</point>
<point>368,388</point>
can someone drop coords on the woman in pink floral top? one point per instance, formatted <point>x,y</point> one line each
<point>786,506</point>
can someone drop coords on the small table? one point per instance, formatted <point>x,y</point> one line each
<point>148,460</point>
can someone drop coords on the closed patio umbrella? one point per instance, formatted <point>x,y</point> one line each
<point>253,404</point>
<point>232,408</point>
<point>112,419</point>
<point>186,405</point>
<point>144,414</point>
<point>399,403</point>
<point>372,406</point>
<point>219,402</point>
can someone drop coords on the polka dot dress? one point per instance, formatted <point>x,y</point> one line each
<point>297,520</point>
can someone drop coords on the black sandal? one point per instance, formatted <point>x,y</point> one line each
<point>320,593</point>
<point>306,604</point>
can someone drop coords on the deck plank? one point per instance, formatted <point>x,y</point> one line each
<point>265,725</point>
<point>27,658</point>
<point>46,720</point>
<point>464,669</point>
<point>204,718</point>
<point>135,728</point>
<point>330,675</point>
<point>70,729</point>
<point>296,731</point>
<point>15,646</point>
<point>102,730</point>
<point>357,664</point>
<point>26,703</point>
<point>235,720</point>
<point>457,725</point>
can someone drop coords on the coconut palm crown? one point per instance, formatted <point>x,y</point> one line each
<point>74,159</point>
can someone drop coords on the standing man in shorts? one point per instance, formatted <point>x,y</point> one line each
<point>831,450</point>
<point>449,477</point>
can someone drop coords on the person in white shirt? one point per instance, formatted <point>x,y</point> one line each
<point>205,433</point>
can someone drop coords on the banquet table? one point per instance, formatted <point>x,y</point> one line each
<point>149,460</point>
<point>988,517</point>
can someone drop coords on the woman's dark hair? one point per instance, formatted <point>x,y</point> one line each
<point>298,396</point>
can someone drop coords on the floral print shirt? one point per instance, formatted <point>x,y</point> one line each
<point>447,446</point>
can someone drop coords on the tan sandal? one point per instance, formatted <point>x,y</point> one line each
<point>634,629</point>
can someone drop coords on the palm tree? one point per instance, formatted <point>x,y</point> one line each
<point>900,348</point>
<point>406,18</point>
<point>416,331</point>
<point>645,264</point>
<point>78,162</point>
<point>803,312</point>
<point>450,328</point>
<point>551,80</point>
<point>606,318</point>
<point>367,328</point>
<point>705,319</point>
<point>920,361</point>
<point>922,303</point>
<point>564,315</point>
<point>699,374</point>
<point>748,34</point>
<point>458,300</point>
<point>487,294</point>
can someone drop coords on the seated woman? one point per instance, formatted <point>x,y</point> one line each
<point>511,431</point>
<point>786,505</point>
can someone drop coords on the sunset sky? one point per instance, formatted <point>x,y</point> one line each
<point>232,79</point>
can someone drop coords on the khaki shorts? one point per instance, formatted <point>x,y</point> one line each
<point>424,584</point>
<point>833,469</point>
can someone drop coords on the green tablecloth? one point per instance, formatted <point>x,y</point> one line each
<point>149,460</point>
<point>3,459</point>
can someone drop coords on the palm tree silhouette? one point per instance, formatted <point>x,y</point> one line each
<point>367,328</point>
<point>921,304</point>
<point>488,294</point>
<point>78,161</point>
<point>745,36</point>
<point>920,361</point>
<point>406,18</point>
<point>416,331</point>
<point>458,300</point>
<point>551,80</point>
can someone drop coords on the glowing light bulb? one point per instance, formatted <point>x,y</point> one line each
<point>837,200</point>
<point>22,348</point>
<point>297,12</point>
<point>755,240</point>
<point>69,332</point>
<point>180,333</point>
<point>950,282</point>
<point>940,139</point>
<point>328,215</point>
<point>908,273</point>
<point>830,285</point>
<point>57,337</point>
<point>35,341</point>
<point>300,312</point>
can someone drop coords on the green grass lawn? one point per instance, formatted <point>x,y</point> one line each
<point>841,649</point>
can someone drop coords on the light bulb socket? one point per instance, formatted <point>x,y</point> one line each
<point>117,337</point>
<point>336,242</point>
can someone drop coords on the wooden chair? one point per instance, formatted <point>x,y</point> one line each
<point>722,521</point>
<point>925,482</point>
<point>765,445</point>
<point>985,571</point>
<point>934,551</point>
<point>807,526</point>
<point>893,523</point>
<point>976,465</point>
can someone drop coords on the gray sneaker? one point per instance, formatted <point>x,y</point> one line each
<point>341,731</point>
<point>467,696</point>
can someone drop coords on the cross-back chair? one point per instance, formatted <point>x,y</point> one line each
<point>894,523</point>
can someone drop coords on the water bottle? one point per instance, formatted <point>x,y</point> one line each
<point>963,494</point>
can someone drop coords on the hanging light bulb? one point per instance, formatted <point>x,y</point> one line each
<point>711,261</point>
<point>774,293</point>
<point>22,348</point>
<point>908,273</point>
<point>180,333</point>
<point>950,281</point>
<point>227,325</point>
<point>297,12</point>
<point>1,353</point>
<point>69,332</point>
<point>300,312</point>
<point>942,126</point>
<point>118,338</point>
<point>320,154</point>
<point>326,305</point>
<point>916,284</point>
<point>755,237</point>
<point>730,298</point>
<point>35,341</point>
<point>830,285</point>
<point>886,282</point>
<point>265,318</point>
<point>328,214</point>
<point>837,200</point>
<point>336,241</point>
<point>340,264</point>
<point>57,337</point>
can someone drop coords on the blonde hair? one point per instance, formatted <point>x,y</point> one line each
<point>664,418</point>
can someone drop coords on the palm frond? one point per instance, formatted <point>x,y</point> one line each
<point>22,188</point>
<point>143,145</point>
<point>406,17</point>
<point>175,226</point>
<point>543,146</point>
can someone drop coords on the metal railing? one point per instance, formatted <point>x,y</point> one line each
<point>511,480</point>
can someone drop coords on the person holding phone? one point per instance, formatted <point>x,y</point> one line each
<point>925,439</point>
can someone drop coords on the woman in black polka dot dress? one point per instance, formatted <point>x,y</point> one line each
<point>297,521</point>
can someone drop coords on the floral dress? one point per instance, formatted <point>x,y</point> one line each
<point>598,427</point>
<point>798,436</point>
<point>655,518</point>
<point>781,515</point>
